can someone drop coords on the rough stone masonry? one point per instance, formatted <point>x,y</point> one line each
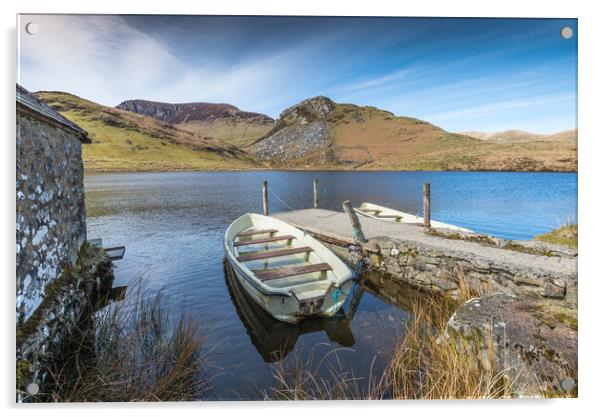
<point>51,216</point>
<point>55,276</point>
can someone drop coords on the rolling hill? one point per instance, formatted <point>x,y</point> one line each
<point>522,136</point>
<point>321,134</point>
<point>317,133</point>
<point>126,141</point>
<point>223,121</point>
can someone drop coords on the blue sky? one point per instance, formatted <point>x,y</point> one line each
<point>460,74</point>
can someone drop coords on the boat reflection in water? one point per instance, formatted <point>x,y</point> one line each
<point>275,339</point>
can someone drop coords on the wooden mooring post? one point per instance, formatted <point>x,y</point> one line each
<point>315,193</point>
<point>356,231</point>
<point>426,204</point>
<point>266,210</point>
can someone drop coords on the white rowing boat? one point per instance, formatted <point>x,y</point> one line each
<point>286,271</point>
<point>387,214</point>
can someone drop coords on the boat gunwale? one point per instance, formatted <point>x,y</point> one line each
<point>267,289</point>
<point>434,223</point>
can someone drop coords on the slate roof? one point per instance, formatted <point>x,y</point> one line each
<point>25,98</point>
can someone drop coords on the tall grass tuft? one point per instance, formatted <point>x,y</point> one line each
<point>132,352</point>
<point>566,235</point>
<point>425,366</point>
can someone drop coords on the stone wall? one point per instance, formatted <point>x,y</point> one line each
<point>523,331</point>
<point>51,220</point>
<point>445,273</point>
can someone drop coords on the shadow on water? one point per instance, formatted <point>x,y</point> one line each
<point>274,339</point>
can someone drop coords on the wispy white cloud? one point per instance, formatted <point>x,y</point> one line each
<point>104,59</point>
<point>500,106</point>
<point>93,56</point>
<point>383,80</point>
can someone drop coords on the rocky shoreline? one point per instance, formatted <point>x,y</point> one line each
<point>521,327</point>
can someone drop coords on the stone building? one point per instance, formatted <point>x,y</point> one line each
<point>51,216</point>
<point>59,277</point>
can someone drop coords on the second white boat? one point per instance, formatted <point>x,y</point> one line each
<point>384,213</point>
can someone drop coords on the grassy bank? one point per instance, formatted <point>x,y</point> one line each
<point>566,235</point>
<point>423,366</point>
<point>426,366</point>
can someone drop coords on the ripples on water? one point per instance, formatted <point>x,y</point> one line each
<point>173,224</point>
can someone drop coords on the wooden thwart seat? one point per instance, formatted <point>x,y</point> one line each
<point>273,254</point>
<point>265,240</point>
<point>257,232</point>
<point>291,271</point>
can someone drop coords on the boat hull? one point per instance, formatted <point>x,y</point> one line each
<point>289,308</point>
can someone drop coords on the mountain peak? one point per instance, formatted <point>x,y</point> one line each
<point>318,107</point>
<point>175,113</point>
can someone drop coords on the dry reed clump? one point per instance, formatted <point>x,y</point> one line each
<point>131,352</point>
<point>424,365</point>
<point>427,366</point>
<point>566,235</point>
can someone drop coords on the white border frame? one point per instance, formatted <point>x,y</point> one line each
<point>590,342</point>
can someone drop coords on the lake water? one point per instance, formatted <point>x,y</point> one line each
<point>173,225</point>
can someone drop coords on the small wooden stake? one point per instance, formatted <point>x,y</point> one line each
<point>266,210</point>
<point>315,193</point>
<point>358,234</point>
<point>426,204</point>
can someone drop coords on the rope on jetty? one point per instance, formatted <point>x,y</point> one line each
<point>281,200</point>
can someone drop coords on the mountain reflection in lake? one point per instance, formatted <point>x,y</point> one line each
<point>173,225</point>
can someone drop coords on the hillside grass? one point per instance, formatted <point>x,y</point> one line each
<point>374,139</point>
<point>115,149</point>
<point>127,142</point>
<point>240,134</point>
<point>566,235</point>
